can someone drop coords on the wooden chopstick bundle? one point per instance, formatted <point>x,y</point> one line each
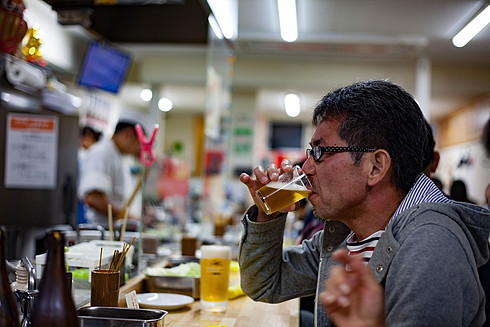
<point>118,257</point>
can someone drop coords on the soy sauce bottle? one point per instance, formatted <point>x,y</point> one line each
<point>9,315</point>
<point>54,307</point>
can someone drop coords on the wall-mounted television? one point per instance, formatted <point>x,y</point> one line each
<point>286,135</point>
<point>104,67</point>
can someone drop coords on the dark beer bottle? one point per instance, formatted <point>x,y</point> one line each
<point>9,315</point>
<point>54,307</point>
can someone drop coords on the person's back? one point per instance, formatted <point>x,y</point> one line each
<point>88,137</point>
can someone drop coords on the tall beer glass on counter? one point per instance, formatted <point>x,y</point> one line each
<point>287,190</point>
<point>215,276</point>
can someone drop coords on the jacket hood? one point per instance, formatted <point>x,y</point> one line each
<point>473,220</point>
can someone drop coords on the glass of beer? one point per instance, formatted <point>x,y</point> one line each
<point>215,277</point>
<point>287,190</point>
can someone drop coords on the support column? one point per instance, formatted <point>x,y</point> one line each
<point>423,79</point>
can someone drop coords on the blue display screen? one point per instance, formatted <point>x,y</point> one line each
<point>104,67</point>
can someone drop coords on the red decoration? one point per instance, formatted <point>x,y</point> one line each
<point>13,27</point>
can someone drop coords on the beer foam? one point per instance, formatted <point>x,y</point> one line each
<point>215,251</point>
<point>285,186</point>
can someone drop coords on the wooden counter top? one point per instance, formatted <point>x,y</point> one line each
<point>241,312</point>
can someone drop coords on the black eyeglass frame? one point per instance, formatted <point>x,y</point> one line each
<point>318,151</point>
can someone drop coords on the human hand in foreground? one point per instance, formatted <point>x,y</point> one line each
<point>353,298</point>
<point>261,177</point>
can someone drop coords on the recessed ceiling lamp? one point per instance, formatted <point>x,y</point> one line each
<point>164,104</point>
<point>474,27</point>
<point>292,105</point>
<point>288,22</point>
<point>146,95</point>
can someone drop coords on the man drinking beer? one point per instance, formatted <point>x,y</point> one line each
<point>365,167</point>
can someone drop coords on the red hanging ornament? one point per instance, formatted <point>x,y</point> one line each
<point>13,27</point>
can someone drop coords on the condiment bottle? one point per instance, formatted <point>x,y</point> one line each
<point>9,315</point>
<point>54,307</point>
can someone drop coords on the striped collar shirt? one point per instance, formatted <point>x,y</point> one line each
<point>423,191</point>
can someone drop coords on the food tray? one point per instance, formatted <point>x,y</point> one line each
<point>120,317</point>
<point>190,286</point>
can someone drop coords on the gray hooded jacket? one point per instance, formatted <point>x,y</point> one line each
<point>427,260</point>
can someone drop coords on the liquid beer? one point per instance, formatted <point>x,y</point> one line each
<point>276,195</point>
<point>215,276</point>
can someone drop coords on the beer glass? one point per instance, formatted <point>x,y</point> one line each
<point>287,190</point>
<point>215,277</point>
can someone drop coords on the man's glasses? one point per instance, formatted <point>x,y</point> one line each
<point>318,151</point>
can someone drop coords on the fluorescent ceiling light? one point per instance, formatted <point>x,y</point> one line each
<point>287,20</point>
<point>472,28</point>
<point>146,95</point>
<point>215,26</point>
<point>225,13</point>
<point>292,105</point>
<point>164,104</point>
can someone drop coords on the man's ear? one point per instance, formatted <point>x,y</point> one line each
<point>435,162</point>
<point>380,165</point>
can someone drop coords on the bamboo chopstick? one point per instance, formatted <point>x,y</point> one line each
<point>109,218</point>
<point>100,258</point>
<point>123,227</point>
<point>135,191</point>
<point>128,204</point>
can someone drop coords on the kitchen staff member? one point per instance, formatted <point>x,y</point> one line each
<point>105,176</point>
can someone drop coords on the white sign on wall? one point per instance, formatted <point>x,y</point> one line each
<point>31,151</point>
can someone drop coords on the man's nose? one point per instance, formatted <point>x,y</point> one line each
<point>309,166</point>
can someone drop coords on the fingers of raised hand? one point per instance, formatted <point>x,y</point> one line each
<point>337,290</point>
<point>286,165</point>
<point>273,172</point>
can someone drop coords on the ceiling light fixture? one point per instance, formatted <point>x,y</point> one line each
<point>474,27</point>
<point>225,13</point>
<point>215,27</point>
<point>146,95</point>
<point>288,22</point>
<point>164,104</point>
<point>292,105</point>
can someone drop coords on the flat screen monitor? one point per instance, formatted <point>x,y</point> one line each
<point>104,67</point>
<point>286,135</point>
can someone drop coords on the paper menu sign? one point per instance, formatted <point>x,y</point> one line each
<point>131,300</point>
<point>31,151</point>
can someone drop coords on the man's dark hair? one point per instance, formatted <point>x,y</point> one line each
<point>122,126</point>
<point>379,114</point>
<point>86,130</point>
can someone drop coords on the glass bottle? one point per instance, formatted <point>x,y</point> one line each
<point>54,307</point>
<point>9,315</point>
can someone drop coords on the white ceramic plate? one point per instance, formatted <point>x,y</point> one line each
<point>166,301</point>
